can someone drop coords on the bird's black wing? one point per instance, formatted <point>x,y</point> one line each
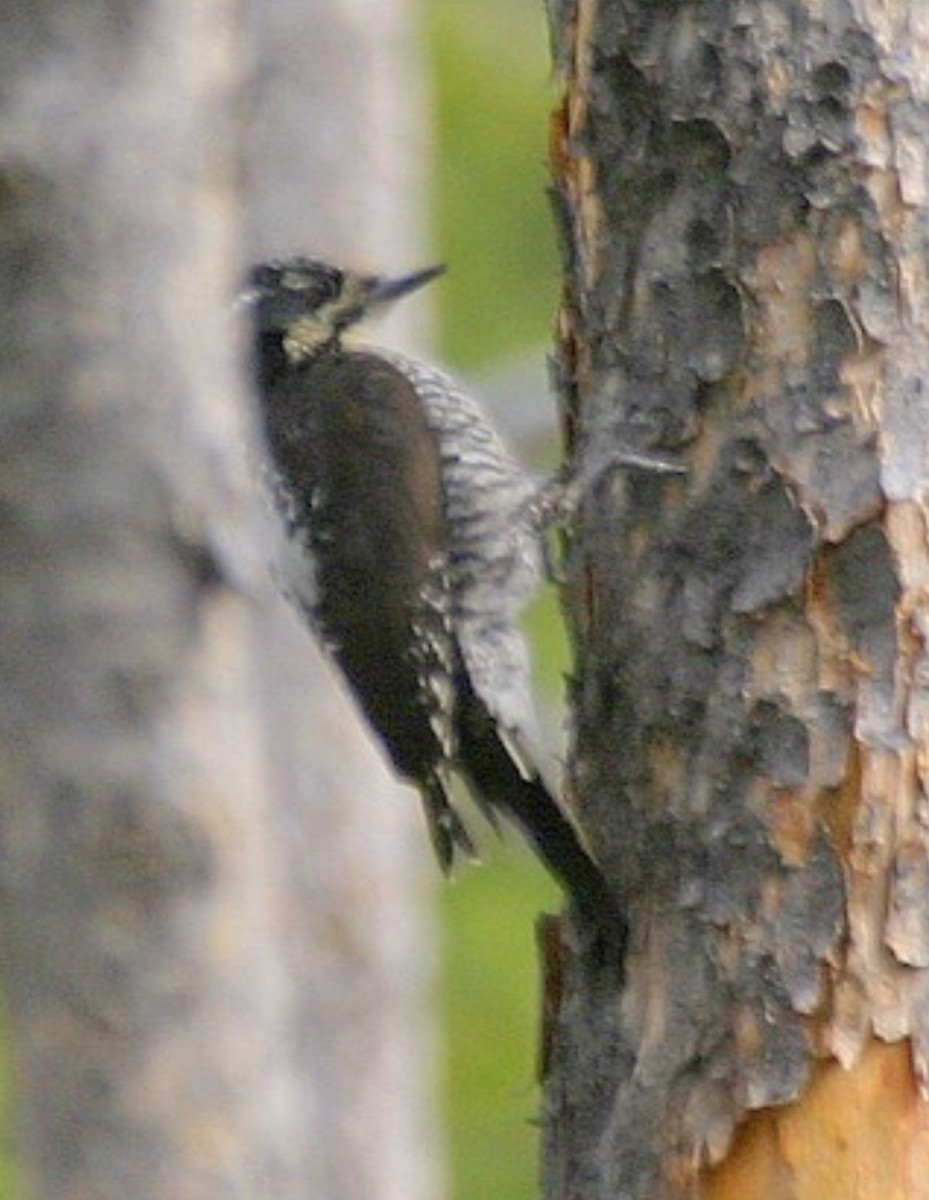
<point>347,434</point>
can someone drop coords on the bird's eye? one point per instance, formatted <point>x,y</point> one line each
<point>329,283</point>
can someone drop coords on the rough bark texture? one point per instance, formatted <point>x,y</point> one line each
<point>137,952</point>
<point>334,166</point>
<point>742,191</point>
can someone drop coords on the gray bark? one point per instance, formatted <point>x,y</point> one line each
<point>143,977</point>
<point>742,191</point>
<point>335,168</point>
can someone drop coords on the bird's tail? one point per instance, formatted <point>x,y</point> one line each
<point>525,799</point>
<point>449,834</point>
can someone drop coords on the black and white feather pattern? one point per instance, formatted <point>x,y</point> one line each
<point>495,553</point>
<point>409,541</point>
<point>433,651</point>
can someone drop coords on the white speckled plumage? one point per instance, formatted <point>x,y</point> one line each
<point>495,551</point>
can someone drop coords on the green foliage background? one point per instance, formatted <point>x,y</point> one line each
<point>493,93</point>
<point>493,227</point>
<point>8,1176</point>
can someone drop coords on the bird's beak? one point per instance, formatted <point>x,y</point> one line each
<point>384,291</point>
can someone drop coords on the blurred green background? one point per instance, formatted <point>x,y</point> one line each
<point>494,91</point>
<point>492,225</point>
<point>7,1174</point>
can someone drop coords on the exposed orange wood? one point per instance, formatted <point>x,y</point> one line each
<point>859,1134</point>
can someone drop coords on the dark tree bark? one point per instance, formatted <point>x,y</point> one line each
<point>742,194</point>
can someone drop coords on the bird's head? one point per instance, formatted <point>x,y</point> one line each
<point>310,304</point>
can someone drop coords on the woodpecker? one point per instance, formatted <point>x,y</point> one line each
<point>411,548</point>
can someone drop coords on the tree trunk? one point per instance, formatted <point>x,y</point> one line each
<point>213,955</point>
<point>139,959</point>
<point>742,192</point>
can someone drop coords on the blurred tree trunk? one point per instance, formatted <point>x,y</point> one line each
<point>137,950</point>
<point>213,956</point>
<point>335,168</point>
<point>743,194</point>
